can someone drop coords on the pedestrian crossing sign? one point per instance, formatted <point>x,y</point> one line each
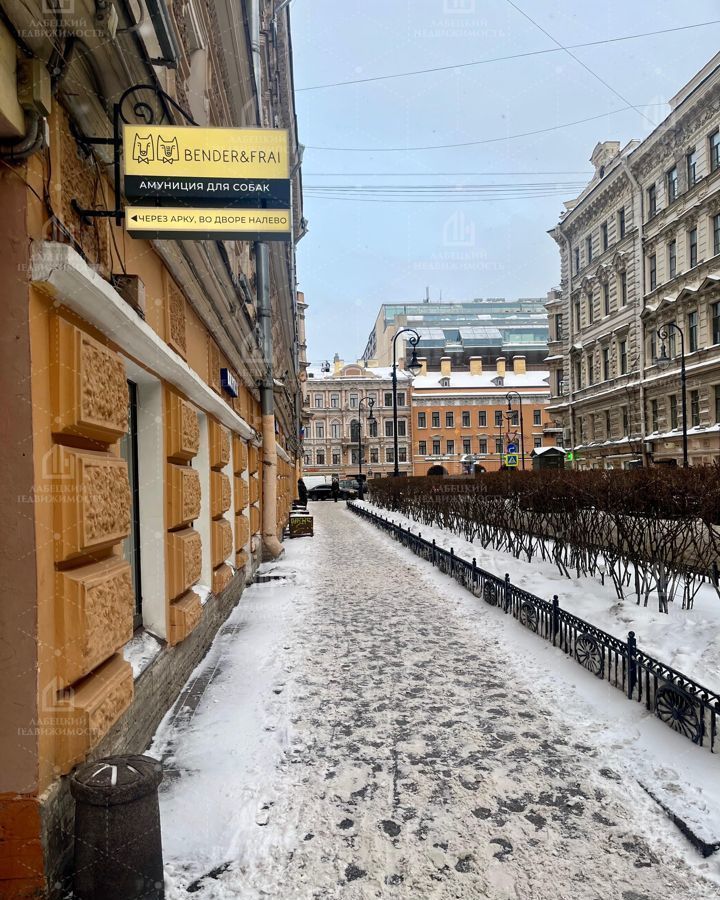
<point>511,460</point>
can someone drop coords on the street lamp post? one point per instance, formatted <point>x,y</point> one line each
<point>662,362</point>
<point>371,418</point>
<point>522,427</point>
<point>414,367</point>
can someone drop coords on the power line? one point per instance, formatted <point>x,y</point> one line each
<point>507,137</point>
<point>579,61</point>
<point>430,174</point>
<point>483,62</point>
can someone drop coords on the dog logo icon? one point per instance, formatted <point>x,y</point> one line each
<point>143,149</point>
<point>168,151</point>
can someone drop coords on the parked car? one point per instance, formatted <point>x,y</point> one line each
<point>324,492</point>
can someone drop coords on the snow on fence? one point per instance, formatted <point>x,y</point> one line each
<point>686,706</point>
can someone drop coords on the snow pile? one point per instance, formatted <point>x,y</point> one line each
<point>141,650</point>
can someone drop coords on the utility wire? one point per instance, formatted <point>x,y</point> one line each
<point>483,62</point>
<point>428,174</point>
<point>579,61</point>
<point>507,137</point>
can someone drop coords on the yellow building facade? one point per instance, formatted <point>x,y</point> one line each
<point>142,484</point>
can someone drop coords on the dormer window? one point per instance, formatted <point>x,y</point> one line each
<point>498,381</point>
<point>444,382</point>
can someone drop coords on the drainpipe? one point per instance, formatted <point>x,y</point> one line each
<point>639,268</point>
<point>272,548</point>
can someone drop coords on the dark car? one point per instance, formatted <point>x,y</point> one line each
<point>324,492</point>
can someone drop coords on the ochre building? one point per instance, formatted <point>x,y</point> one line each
<point>142,480</point>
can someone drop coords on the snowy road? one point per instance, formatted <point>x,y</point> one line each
<point>364,738</point>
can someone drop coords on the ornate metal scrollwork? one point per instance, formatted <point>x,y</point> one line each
<point>677,709</point>
<point>490,594</point>
<point>589,653</point>
<point>528,615</point>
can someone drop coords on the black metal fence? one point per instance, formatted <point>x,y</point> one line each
<point>683,704</point>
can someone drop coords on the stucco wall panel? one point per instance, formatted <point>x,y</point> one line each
<point>242,494</point>
<point>185,614</point>
<point>219,445</point>
<point>91,499</point>
<point>222,541</point>
<point>220,493</point>
<point>182,427</point>
<point>254,488</point>
<point>240,454</point>
<point>183,495</point>
<point>175,326</point>
<point>94,615</point>
<point>222,576</point>
<point>89,390</point>
<point>254,519</point>
<point>242,531</point>
<point>184,560</point>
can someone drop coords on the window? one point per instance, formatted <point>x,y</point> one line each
<point>621,222</point>
<point>465,419</point>
<point>514,417</point>
<point>625,420</point>
<point>590,310</point>
<point>308,458</point>
<point>450,448</point>
<point>318,401</point>
<point>652,201</point>
<point>717,403</point>
<point>671,180</point>
<point>320,430</point>
<point>672,258</point>
<point>558,326</point>
<point>692,327</point>
<point>588,249</point>
<point>715,310</point>
<point>498,417</point>
<point>691,160</point>
<point>692,246</point>
<point>604,235</point>
<point>390,454</point>
<point>388,428</point>
<point>654,415</point>
<point>335,430</point>
<point>401,398</point>
<point>695,408</point>
<point>622,354</point>
<point>336,458</point>
<point>422,448</point>
<point>335,401</point>
<point>402,428</point>
<point>435,419</point>
<point>482,444</point>
<point>576,260</point>
<point>131,544</point>
<point>422,420</point>
<point>449,420</point>
<point>321,457</point>
<point>606,299</point>
<point>714,151</point>
<point>498,445</point>
<point>671,341</point>
<point>402,454</point>
<point>436,447</point>
<point>444,382</point>
<point>578,375</point>
<point>590,370</point>
<point>673,411</point>
<point>537,417</point>
<point>482,415</point>
<point>466,445</point>
<point>605,354</point>
<point>537,442</point>
<point>388,398</point>
<point>374,458</point>
<point>716,234</point>
<point>622,278</point>
<point>653,346</point>
<point>608,425</point>
<point>353,401</point>
<point>652,271</point>
<point>576,309</point>
<point>354,430</point>
<point>373,428</point>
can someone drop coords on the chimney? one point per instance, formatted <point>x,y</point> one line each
<point>423,365</point>
<point>445,365</point>
<point>371,363</point>
<point>519,367</point>
<point>476,365</point>
<point>338,364</point>
<point>500,365</point>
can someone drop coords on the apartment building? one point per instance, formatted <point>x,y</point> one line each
<point>640,254</point>
<point>463,422</point>
<point>144,480</point>
<point>337,402</point>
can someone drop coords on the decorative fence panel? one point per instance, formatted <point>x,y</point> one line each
<point>684,705</point>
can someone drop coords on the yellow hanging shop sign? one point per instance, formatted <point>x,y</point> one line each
<point>214,166</point>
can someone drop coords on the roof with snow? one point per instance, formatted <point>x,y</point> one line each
<point>486,379</point>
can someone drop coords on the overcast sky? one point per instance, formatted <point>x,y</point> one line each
<point>360,253</point>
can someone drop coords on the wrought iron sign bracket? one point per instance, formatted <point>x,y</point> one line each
<point>143,111</point>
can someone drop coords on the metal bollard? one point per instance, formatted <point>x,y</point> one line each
<point>118,847</point>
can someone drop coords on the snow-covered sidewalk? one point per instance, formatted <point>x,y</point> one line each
<point>366,728</point>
